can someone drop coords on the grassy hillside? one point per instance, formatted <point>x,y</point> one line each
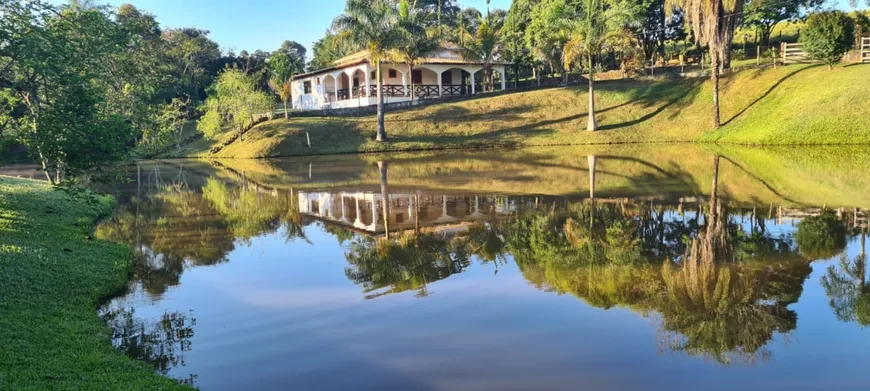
<point>54,276</point>
<point>809,105</point>
<point>797,104</point>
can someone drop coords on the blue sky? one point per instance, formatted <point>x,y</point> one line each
<point>257,24</point>
<point>262,24</point>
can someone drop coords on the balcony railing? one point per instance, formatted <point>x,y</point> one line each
<point>358,92</point>
<point>394,91</point>
<point>426,90</point>
<point>400,91</point>
<point>455,90</point>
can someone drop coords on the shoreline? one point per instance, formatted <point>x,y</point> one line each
<point>58,275</point>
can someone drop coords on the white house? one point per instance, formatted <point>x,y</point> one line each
<point>352,81</point>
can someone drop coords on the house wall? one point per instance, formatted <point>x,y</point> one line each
<point>329,82</point>
<point>318,99</point>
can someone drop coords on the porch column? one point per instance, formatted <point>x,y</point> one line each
<point>439,83</point>
<point>503,79</point>
<point>472,83</point>
<point>343,209</point>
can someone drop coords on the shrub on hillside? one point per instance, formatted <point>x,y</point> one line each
<point>828,36</point>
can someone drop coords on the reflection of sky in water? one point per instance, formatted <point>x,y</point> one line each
<point>282,316</point>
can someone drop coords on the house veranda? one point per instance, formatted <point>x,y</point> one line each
<point>352,81</point>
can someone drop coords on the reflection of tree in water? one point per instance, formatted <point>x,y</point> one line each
<point>177,227</point>
<point>249,213</point>
<point>822,236</point>
<point>403,264</point>
<point>724,296</point>
<point>486,241</point>
<point>161,343</point>
<point>848,288</point>
<point>167,231</point>
<point>725,311</point>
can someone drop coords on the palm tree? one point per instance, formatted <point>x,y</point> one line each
<point>712,23</point>
<point>598,22</point>
<point>483,46</point>
<point>373,24</point>
<point>282,67</point>
<point>417,43</point>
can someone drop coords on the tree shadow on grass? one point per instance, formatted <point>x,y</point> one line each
<point>451,112</point>
<point>769,90</point>
<point>652,95</point>
<point>534,129</point>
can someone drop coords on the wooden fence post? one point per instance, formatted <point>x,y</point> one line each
<point>783,48</point>
<point>865,50</point>
<point>757,55</point>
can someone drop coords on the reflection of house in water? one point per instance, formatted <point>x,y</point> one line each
<point>363,211</point>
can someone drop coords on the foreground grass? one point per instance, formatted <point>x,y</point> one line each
<point>798,104</point>
<point>53,276</point>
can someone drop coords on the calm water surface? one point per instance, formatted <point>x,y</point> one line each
<point>655,267</point>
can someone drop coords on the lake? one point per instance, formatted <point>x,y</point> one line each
<point>654,267</point>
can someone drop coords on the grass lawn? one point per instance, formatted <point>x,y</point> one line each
<point>54,275</point>
<point>798,104</point>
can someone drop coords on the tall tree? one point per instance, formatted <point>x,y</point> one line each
<point>417,43</point>
<point>293,48</point>
<point>596,23</point>
<point>484,46</point>
<point>374,25</point>
<point>191,53</point>
<point>444,14</point>
<point>328,49</point>
<point>282,67</point>
<point>516,22</point>
<point>547,32</point>
<point>658,27</point>
<point>53,77</point>
<point>233,100</point>
<point>713,23</point>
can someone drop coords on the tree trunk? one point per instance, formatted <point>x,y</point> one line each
<point>382,168</point>
<point>411,75</point>
<point>286,111</point>
<point>382,133</point>
<point>45,169</point>
<point>714,76</point>
<point>592,160</point>
<point>765,34</point>
<point>591,125</point>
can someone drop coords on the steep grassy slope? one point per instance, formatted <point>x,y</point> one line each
<point>797,104</point>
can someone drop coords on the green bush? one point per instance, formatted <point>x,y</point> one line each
<point>821,237</point>
<point>828,36</point>
<point>738,55</point>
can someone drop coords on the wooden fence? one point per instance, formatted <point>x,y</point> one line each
<point>865,50</point>
<point>793,53</point>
